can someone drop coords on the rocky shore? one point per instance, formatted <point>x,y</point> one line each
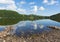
<point>51,36</point>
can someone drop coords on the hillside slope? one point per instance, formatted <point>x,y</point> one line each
<point>8,17</point>
<point>56,17</point>
<point>8,13</point>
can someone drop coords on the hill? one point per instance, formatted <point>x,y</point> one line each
<point>8,17</point>
<point>8,13</point>
<point>14,14</point>
<point>56,17</point>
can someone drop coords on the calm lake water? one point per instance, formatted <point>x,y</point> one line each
<point>33,27</point>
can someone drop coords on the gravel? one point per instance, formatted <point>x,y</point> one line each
<point>51,36</point>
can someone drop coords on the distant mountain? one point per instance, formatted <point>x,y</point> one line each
<point>55,17</point>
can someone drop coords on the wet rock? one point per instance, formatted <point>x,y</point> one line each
<point>54,27</point>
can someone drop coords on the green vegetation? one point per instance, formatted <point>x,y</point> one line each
<point>9,17</point>
<point>56,17</point>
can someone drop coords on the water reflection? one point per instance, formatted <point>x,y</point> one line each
<point>2,28</point>
<point>30,28</point>
<point>41,26</point>
<point>26,28</point>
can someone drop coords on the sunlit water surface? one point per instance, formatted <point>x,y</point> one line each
<point>33,27</point>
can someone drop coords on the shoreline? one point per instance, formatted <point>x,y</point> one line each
<point>51,36</point>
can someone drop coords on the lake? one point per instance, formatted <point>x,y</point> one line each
<point>28,27</point>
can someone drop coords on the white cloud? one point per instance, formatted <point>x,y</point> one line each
<point>41,8</point>
<point>2,8</point>
<point>32,3</point>
<point>20,10</point>
<point>8,5</point>
<point>51,2</point>
<point>11,7</point>
<point>22,2</point>
<point>45,1</point>
<point>34,9</point>
<point>6,1</point>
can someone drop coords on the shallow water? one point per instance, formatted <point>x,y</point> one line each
<point>33,27</point>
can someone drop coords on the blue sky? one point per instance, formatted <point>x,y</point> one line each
<point>37,7</point>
